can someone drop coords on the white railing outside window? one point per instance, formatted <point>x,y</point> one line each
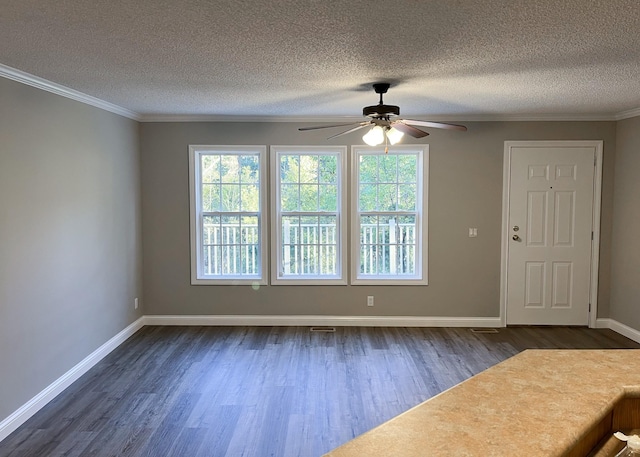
<point>384,247</point>
<point>311,250</point>
<point>389,248</point>
<point>224,256</point>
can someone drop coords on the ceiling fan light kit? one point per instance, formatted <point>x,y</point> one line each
<point>374,137</point>
<point>378,134</point>
<point>394,135</point>
<point>384,128</point>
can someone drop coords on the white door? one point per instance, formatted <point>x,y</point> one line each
<point>549,233</point>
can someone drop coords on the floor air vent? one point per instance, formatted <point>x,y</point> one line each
<point>323,329</point>
<point>484,330</point>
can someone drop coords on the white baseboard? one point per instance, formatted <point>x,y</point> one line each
<point>338,321</point>
<point>20,416</point>
<point>603,323</point>
<point>620,328</point>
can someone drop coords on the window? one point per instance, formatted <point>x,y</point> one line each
<point>389,230</point>
<point>307,228</point>
<point>227,196</point>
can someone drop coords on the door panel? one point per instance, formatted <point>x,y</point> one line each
<point>535,284</point>
<point>564,216</point>
<point>536,235</point>
<point>562,284</point>
<point>550,215</point>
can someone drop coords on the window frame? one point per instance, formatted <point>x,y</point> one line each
<point>196,214</point>
<point>277,278</point>
<point>422,193</point>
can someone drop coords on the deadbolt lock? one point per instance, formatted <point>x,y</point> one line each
<point>516,228</point>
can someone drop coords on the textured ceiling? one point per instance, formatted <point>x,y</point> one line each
<point>318,58</point>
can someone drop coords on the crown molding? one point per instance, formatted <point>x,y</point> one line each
<point>548,117</point>
<point>58,89</point>
<point>628,114</point>
<point>240,118</point>
<point>441,118</point>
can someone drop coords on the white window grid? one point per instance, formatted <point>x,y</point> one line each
<point>227,246</point>
<point>304,241</point>
<point>389,246</point>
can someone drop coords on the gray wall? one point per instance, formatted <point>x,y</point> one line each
<point>465,190</point>
<point>625,266</point>
<point>70,235</point>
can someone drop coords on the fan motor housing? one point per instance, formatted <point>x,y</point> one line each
<point>381,110</point>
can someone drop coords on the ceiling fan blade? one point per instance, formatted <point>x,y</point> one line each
<point>409,130</point>
<point>437,125</point>
<point>361,126</point>
<point>316,127</point>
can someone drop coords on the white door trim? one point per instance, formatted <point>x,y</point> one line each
<point>595,224</point>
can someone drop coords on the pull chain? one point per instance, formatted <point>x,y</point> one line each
<point>386,143</point>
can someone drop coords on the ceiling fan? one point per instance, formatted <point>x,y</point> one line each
<point>384,126</point>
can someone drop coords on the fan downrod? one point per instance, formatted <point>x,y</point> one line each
<point>381,111</point>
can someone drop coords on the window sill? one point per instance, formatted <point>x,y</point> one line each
<point>389,282</point>
<point>308,282</point>
<point>228,282</point>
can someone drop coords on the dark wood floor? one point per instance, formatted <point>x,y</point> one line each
<point>265,391</point>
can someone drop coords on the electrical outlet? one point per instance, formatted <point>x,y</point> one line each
<point>135,303</point>
<point>370,300</point>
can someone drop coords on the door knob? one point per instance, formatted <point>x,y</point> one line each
<point>516,238</point>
